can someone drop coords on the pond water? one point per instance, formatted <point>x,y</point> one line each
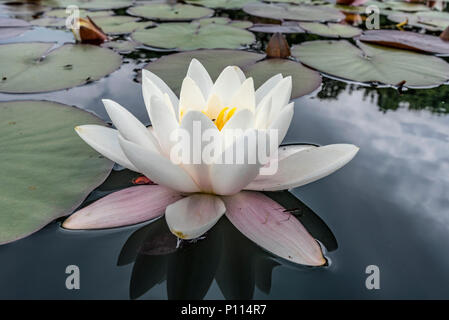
<point>388,207</point>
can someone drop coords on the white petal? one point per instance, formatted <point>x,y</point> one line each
<point>245,97</point>
<point>163,123</point>
<point>282,121</point>
<point>266,223</point>
<point>214,106</point>
<point>129,126</point>
<point>263,112</point>
<point>163,87</point>
<point>149,89</point>
<point>227,84</point>
<point>201,77</point>
<point>268,85</point>
<point>240,73</point>
<point>192,216</point>
<point>158,168</point>
<point>229,177</point>
<point>305,166</point>
<point>190,97</point>
<point>122,208</point>
<point>105,141</point>
<point>280,94</point>
<point>196,123</point>
<point>243,119</point>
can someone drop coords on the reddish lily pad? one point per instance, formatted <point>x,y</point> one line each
<point>406,40</point>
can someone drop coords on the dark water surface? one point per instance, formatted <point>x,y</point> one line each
<point>388,207</point>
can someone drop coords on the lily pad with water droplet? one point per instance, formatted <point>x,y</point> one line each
<point>166,12</point>
<point>173,68</point>
<point>88,4</point>
<point>36,67</point>
<point>372,63</point>
<point>47,170</point>
<point>191,36</point>
<point>10,28</point>
<point>222,4</point>
<point>406,40</point>
<point>294,12</point>
<point>304,80</point>
<point>331,30</point>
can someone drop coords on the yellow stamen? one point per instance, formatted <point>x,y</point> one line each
<point>220,119</point>
<point>229,115</point>
<point>400,25</point>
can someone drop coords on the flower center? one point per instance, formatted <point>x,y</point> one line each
<point>223,117</point>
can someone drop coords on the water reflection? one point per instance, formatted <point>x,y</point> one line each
<point>386,99</point>
<point>189,268</point>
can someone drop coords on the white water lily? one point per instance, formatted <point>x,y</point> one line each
<point>195,196</point>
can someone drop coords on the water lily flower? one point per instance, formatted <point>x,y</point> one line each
<point>194,196</point>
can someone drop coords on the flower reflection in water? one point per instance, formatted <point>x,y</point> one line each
<point>224,254</point>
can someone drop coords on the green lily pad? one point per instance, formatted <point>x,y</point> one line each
<point>33,67</point>
<point>47,169</point>
<point>49,22</point>
<point>122,46</point>
<point>171,68</point>
<point>406,40</point>
<point>294,12</point>
<point>242,24</point>
<point>166,12</point>
<point>115,25</point>
<point>88,4</point>
<point>430,20</point>
<point>285,27</point>
<point>304,80</point>
<point>371,63</point>
<point>331,30</point>
<point>10,28</point>
<point>61,13</point>
<point>222,4</point>
<point>191,36</point>
<point>398,6</point>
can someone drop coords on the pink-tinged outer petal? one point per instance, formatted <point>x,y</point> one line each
<point>265,222</point>
<point>125,207</point>
<point>191,217</point>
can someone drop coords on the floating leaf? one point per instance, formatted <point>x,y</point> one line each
<point>88,4</point>
<point>167,12</point>
<point>116,25</point>
<point>370,63</point>
<point>285,27</point>
<point>49,22</point>
<point>398,6</point>
<point>191,36</point>
<point>122,46</point>
<point>406,40</point>
<point>222,4</point>
<point>225,21</point>
<point>433,21</point>
<point>294,12</point>
<point>47,169</point>
<point>304,79</point>
<point>33,67</point>
<point>172,68</point>
<point>331,30</point>
<point>10,28</point>
<point>62,13</point>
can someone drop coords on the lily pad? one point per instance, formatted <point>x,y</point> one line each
<point>34,67</point>
<point>116,25</point>
<point>294,12</point>
<point>331,30</point>
<point>167,12</point>
<point>285,27</point>
<point>10,28</point>
<point>122,46</point>
<point>89,4</point>
<point>371,63</point>
<point>62,13</point>
<point>172,68</point>
<point>431,20</point>
<point>168,68</point>
<point>304,80</point>
<point>406,40</point>
<point>47,169</point>
<point>222,4</point>
<point>49,22</point>
<point>242,24</point>
<point>398,6</point>
<point>191,36</point>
